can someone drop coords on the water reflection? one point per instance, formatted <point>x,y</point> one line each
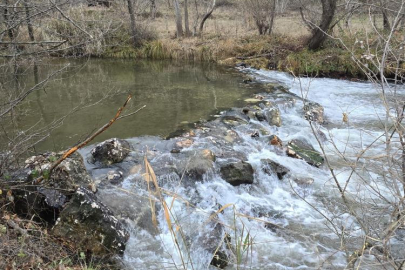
<point>173,93</point>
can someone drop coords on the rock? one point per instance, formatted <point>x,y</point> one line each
<point>237,173</point>
<point>110,151</point>
<point>303,180</point>
<point>215,242</point>
<point>234,117</point>
<point>198,163</point>
<point>252,100</point>
<point>276,141</point>
<point>90,226</point>
<point>114,177</point>
<point>260,116</point>
<point>303,150</point>
<point>273,115</point>
<point>247,80</point>
<point>270,167</point>
<point>184,143</point>
<point>135,208</point>
<point>314,112</point>
<point>241,65</point>
<point>255,134</point>
<point>69,174</point>
<point>45,201</point>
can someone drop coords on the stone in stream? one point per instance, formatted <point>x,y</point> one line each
<point>234,117</point>
<point>303,181</point>
<point>237,173</point>
<point>314,112</point>
<point>110,151</point>
<point>114,177</point>
<point>275,140</point>
<point>303,150</point>
<point>272,114</point>
<point>260,116</point>
<point>197,163</point>
<point>270,167</point>
<point>90,226</point>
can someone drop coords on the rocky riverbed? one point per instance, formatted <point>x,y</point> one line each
<point>247,187</point>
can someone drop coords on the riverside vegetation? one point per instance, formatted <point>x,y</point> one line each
<point>60,209</point>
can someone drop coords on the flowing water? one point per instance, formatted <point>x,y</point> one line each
<point>271,224</point>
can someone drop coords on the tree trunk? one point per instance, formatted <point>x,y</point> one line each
<point>179,24</point>
<point>6,16</point>
<point>196,19</point>
<point>133,23</point>
<point>273,15</point>
<point>28,18</point>
<point>207,15</point>
<point>153,9</point>
<point>319,35</point>
<point>386,21</point>
<point>186,23</point>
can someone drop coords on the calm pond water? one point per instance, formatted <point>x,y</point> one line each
<point>175,93</point>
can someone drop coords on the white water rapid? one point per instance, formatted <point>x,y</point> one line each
<point>272,224</point>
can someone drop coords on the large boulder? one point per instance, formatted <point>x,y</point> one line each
<point>238,173</point>
<point>303,150</point>
<point>69,174</point>
<point>314,112</point>
<point>90,226</point>
<point>47,199</point>
<point>110,151</point>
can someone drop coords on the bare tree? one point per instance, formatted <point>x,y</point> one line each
<point>319,33</point>
<point>186,21</point>
<point>207,14</point>
<point>263,13</point>
<point>179,24</point>
<point>133,23</point>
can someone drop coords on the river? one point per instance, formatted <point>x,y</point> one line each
<point>270,224</point>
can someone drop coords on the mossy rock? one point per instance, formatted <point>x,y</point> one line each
<point>303,150</point>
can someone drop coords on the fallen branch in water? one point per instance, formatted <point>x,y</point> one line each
<point>89,139</point>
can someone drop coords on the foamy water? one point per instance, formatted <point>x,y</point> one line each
<point>300,235</point>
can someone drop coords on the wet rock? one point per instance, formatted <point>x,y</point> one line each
<point>216,242</point>
<point>303,150</point>
<point>90,226</point>
<point>273,115</point>
<point>314,112</point>
<point>234,117</point>
<point>241,65</point>
<point>114,177</point>
<point>110,151</point>
<point>260,116</point>
<point>255,134</point>
<point>247,80</point>
<point>237,173</point>
<point>303,180</point>
<point>198,163</point>
<point>270,167</point>
<point>184,143</point>
<point>137,209</point>
<point>276,141</point>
